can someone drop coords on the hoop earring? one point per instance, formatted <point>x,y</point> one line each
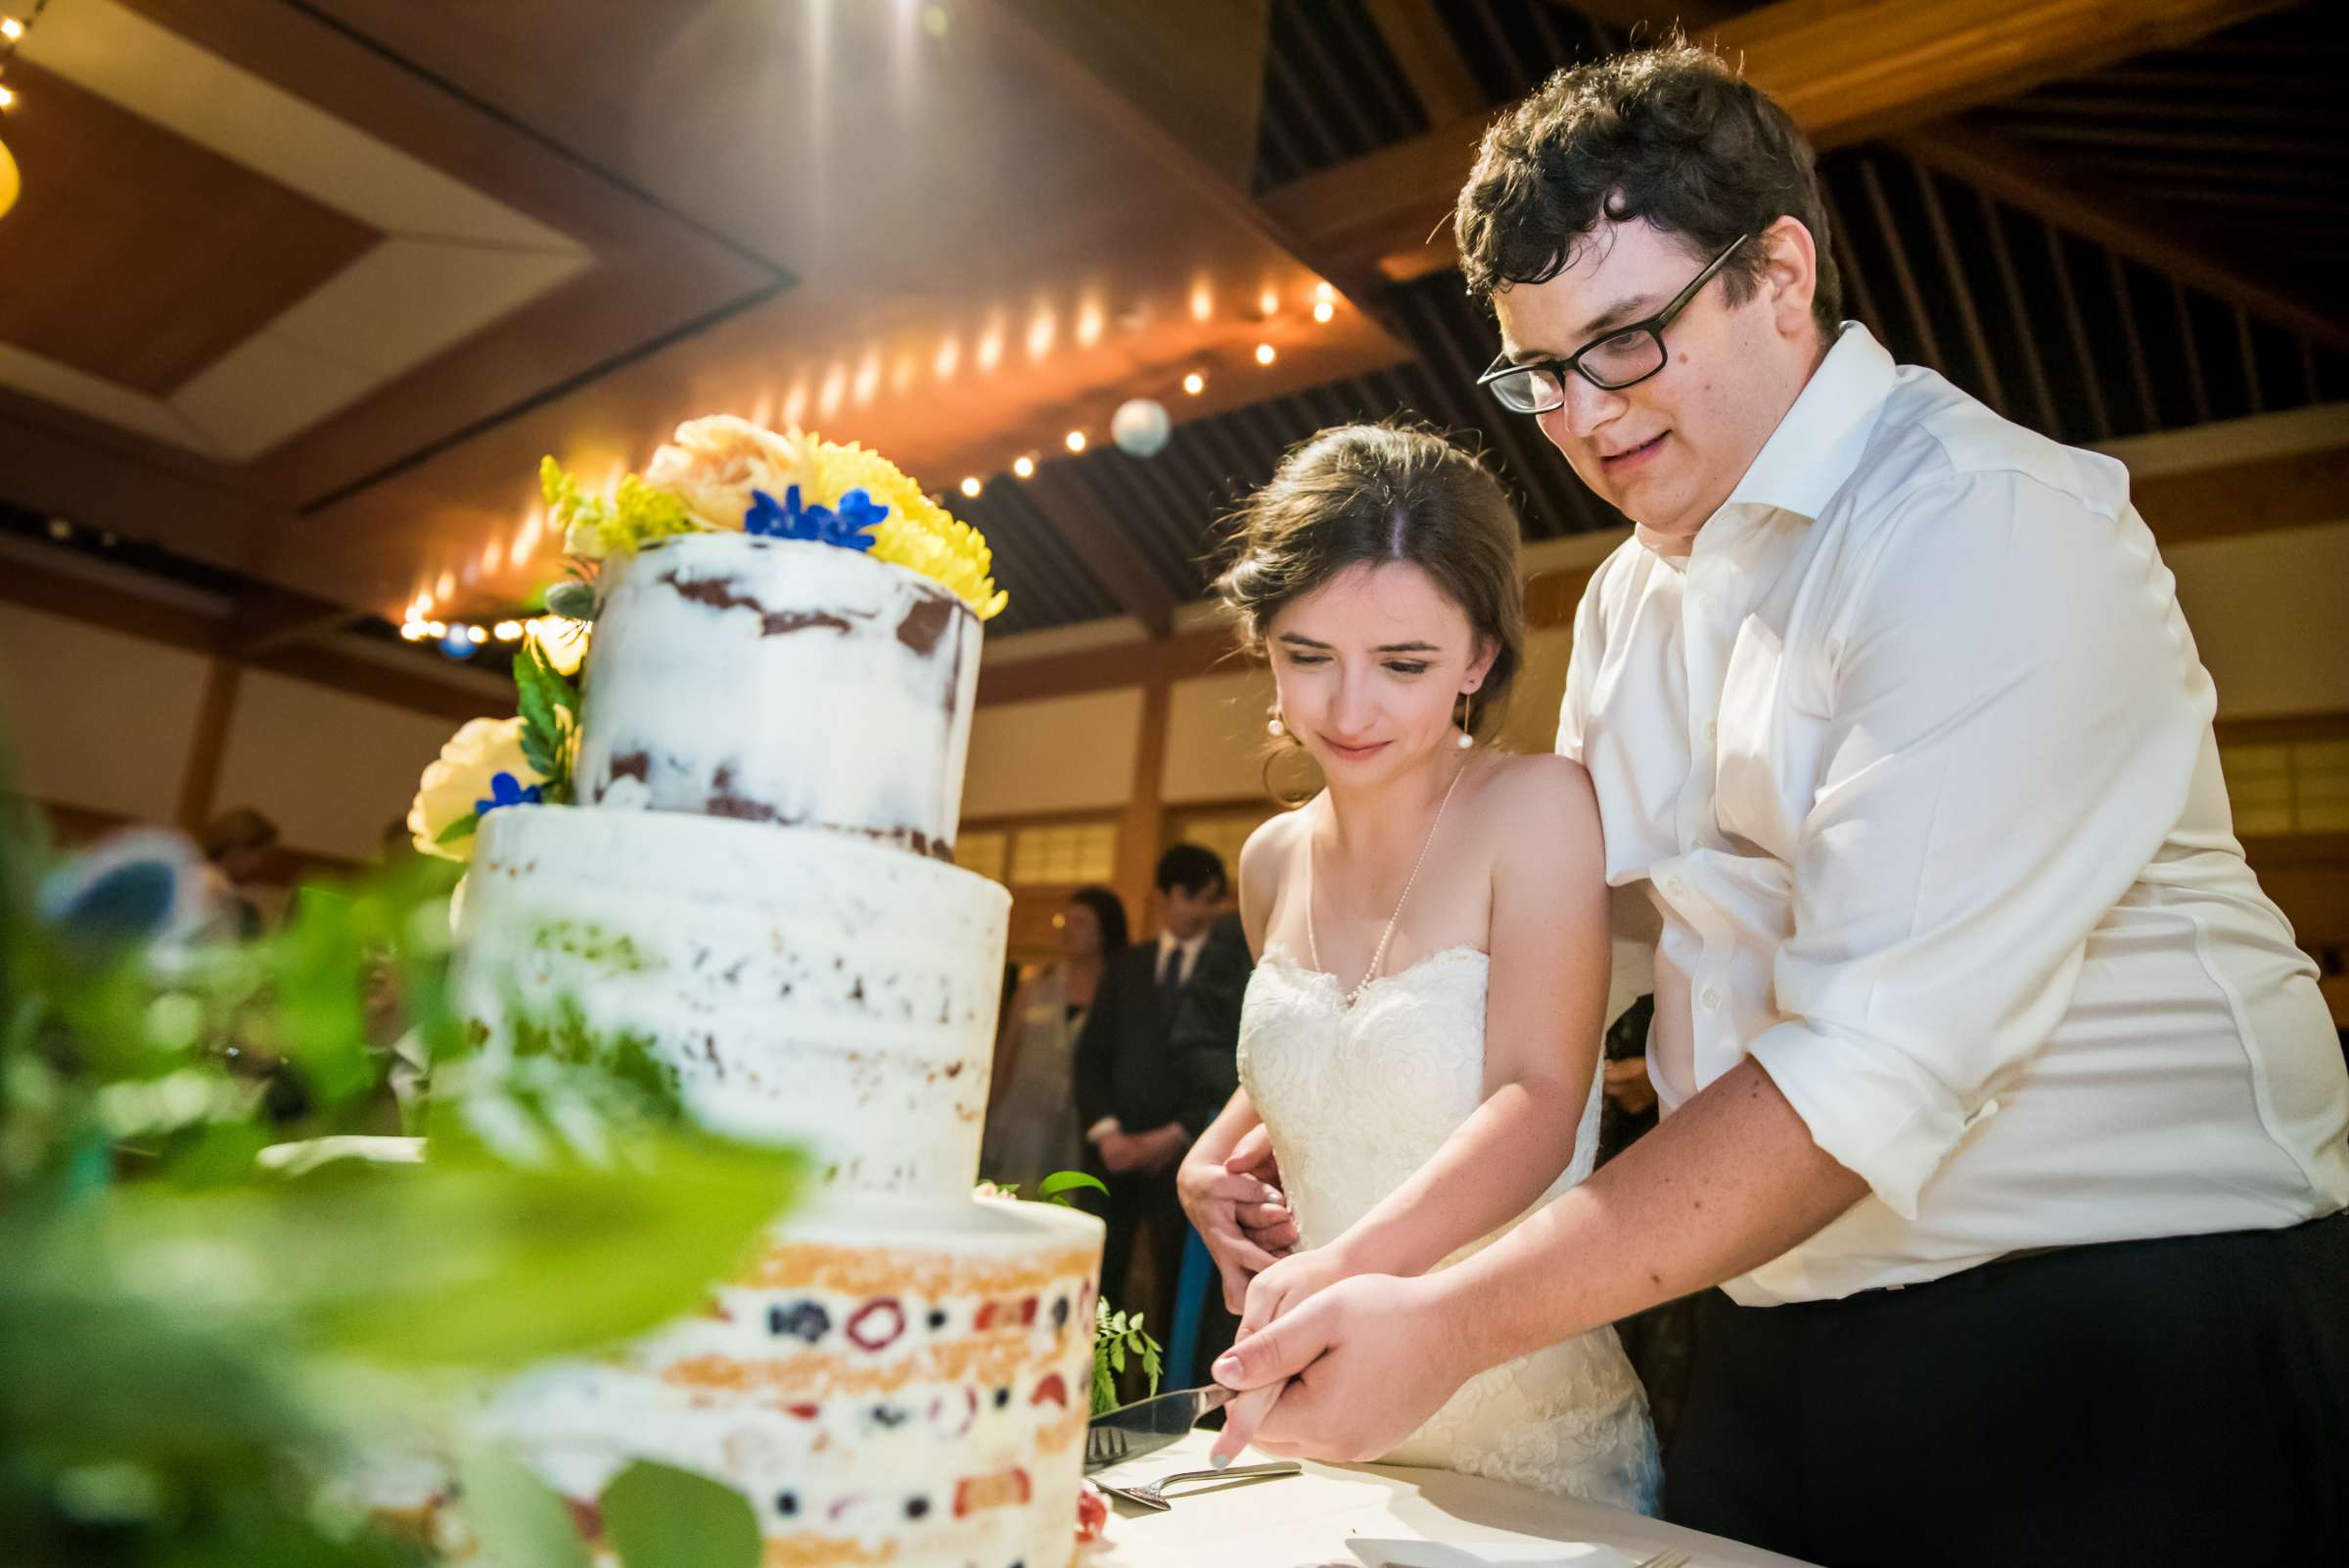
<point>1274,727</point>
<point>1467,713</point>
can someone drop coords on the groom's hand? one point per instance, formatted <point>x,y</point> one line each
<point>1364,1363</point>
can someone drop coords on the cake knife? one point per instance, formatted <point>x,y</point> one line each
<point>1147,1425</point>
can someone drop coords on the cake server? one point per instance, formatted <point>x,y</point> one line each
<point>1147,1425</point>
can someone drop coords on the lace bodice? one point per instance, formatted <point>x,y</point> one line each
<point>1356,1099</point>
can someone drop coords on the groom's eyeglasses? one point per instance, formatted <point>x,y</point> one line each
<point>1625,358</point>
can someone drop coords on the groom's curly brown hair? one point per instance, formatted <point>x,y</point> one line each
<point>1671,134</point>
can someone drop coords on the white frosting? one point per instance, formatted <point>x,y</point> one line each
<point>805,986</point>
<point>780,680</point>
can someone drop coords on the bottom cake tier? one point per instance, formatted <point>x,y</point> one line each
<point>892,1382</point>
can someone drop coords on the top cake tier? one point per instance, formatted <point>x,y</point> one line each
<point>780,680</point>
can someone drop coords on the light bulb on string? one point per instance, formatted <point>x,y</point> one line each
<point>1265,353</point>
<point>11,28</point>
<point>1076,441</point>
<point>1194,383</point>
<point>971,485</point>
<point>1023,465</point>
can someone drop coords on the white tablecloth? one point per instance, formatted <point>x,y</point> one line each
<point>1363,1516</point>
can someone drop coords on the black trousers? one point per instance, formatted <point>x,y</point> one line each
<point>2183,1400</point>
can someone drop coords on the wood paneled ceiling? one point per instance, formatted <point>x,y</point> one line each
<point>956,229</point>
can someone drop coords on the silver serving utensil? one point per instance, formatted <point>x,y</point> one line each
<point>1147,1425</point>
<point>1152,1495</point>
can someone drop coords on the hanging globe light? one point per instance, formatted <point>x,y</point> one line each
<point>1140,427</point>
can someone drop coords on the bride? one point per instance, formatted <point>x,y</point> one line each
<point>1421,1043</point>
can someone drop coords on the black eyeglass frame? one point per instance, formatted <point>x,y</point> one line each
<point>1653,326</point>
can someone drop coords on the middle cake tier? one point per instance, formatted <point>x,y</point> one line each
<point>800,986</point>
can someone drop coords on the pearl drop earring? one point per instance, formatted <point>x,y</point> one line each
<point>1467,712</point>
<point>1274,727</point>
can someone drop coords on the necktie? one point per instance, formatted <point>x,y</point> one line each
<point>1170,977</point>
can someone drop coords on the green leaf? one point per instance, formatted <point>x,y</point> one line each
<point>547,702</point>
<point>463,827</point>
<point>572,599</point>
<point>1060,1181</point>
<point>458,1261</point>
<point>658,1516</point>
<point>518,1518</point>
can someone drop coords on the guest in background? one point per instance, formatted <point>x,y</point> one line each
<point>1131,1091</point>
<point>1032,1123</point>
<point>238,844</point>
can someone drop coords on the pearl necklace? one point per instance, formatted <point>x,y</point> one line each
<point>1378,955</point>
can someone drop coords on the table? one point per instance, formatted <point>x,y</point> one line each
<point>1364,1515</point>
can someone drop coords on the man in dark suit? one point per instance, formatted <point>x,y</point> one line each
<point>1133,1093</point>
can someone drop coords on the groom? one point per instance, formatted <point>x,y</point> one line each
<point>2002,1109</point>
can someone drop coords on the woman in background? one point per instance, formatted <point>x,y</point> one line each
<point>1032,1126</point>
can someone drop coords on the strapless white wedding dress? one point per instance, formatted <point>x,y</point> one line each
<point>1359,1098</point>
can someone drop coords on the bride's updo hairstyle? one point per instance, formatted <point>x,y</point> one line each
<point>1368,495</point>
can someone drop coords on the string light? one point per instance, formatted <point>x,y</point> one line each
<point>1323,310</point>
<point>1264,355</point>
<point>509,631</point>
<point>1269,303</point>
<point>971,485</point>
<point>1194,383</point>
<point>415,631</point>
<point>1076,441</point>
<point>1322,291</point>
<point>12,33</point>
<point>1023,465</point>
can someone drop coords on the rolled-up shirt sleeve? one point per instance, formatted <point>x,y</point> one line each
<point>2015,709</point>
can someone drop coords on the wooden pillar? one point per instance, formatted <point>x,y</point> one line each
<point>199,785</point>
<point>1143,825</point>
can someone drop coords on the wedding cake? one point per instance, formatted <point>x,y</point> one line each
<point>754,886</point>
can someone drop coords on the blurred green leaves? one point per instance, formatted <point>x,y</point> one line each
<point>200,1347</point>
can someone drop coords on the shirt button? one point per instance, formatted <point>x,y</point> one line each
<point>1711,998</point>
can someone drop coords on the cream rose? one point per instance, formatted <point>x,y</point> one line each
<point>713,465</point>
<point>461,776</point>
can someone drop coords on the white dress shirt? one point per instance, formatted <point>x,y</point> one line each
<point>1907,781</point>
<point>1183,953</point>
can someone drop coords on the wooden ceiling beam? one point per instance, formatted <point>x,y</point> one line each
<point>2039,180</point>
<point>2251,495</point>
<point>1430,61</point>
<point>1098,542</point>
<point>1845,69</point>
<point>1117,61</point>
<point>271,619</point>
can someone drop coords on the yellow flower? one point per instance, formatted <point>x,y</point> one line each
<point>714,464</point>
<point>460,776</point>
<point>918,533</point>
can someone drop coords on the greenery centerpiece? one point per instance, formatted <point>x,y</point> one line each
<point>224,1306</point>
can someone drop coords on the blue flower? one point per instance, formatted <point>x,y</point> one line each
<point>859,511</point>
<point>788,519</point>
<point>506,790</point>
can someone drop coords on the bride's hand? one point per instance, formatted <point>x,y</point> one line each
<point>1269,1224</point>
<point>1213,1199</point>
<point>1288,1282</point>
